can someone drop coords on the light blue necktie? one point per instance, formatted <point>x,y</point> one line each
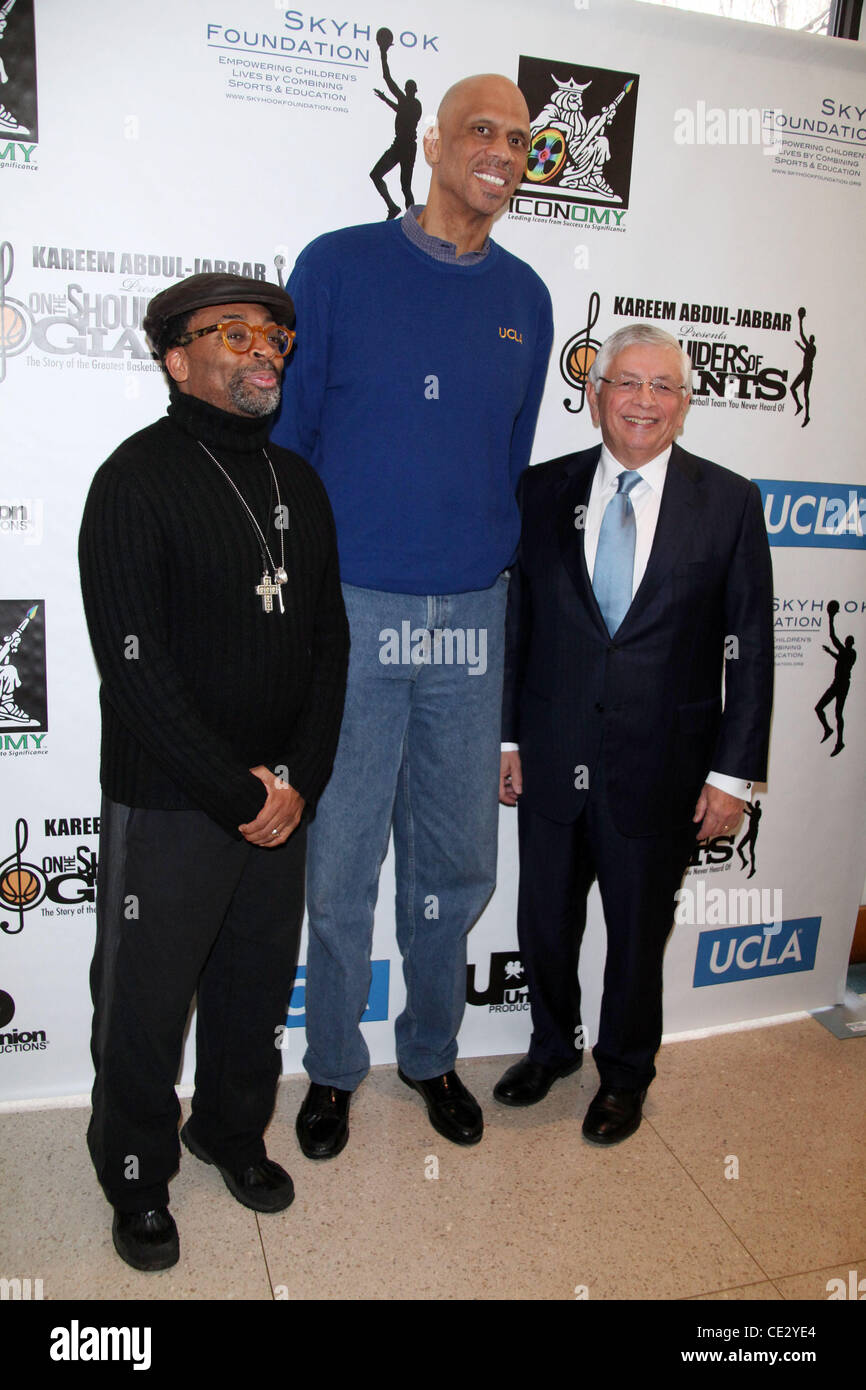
<point>613,574</point>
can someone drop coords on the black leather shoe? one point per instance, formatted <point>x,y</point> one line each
<point>146,1239</point>
<point>262,1186</point>
<point>454,1112</point>
<point>528,1082</point>
<point>613,1115</point>
<point>322,1125</point>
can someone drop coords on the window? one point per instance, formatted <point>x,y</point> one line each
<point>810,16</point>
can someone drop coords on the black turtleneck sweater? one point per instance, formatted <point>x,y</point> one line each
<point>199,684</point>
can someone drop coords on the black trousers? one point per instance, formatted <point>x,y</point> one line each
<point>637,879</point>
<point>182,906</point>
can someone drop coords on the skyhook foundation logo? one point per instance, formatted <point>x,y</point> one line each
<point>578,169</point>
<point>319,63</point>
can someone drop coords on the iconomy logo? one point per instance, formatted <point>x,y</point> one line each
<point>19,126</point>
<point>23,700</point>
<point>377,1000</point>
<point>744,953</point>
<point>578,356</point>
<point>505,992</point>
<point>824,515</point>
<point>581,139</point>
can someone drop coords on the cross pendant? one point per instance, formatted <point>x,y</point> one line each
<point>266,590</point>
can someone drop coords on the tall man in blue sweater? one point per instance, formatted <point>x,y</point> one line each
<point>421,361</point>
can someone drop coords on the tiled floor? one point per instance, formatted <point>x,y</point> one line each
<point>531,1213</point>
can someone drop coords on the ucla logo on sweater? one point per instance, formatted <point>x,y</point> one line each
<point>511,333</point>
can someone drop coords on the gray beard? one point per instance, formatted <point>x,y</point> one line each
<point>250,400</point>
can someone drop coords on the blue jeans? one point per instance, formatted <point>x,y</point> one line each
<point>419,749</point>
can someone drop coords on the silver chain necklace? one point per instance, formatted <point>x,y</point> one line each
<point>268,587</point>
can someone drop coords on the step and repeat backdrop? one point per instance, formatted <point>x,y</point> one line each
<point>703,176</point>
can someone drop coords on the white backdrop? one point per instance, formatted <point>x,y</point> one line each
<point>167,138</point>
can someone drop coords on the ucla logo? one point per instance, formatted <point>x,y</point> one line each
<point>826,515</point>
<point>377,1000</point>
<point>743,953</point>
<point>511,333</point>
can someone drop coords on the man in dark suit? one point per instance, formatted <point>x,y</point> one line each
<point>643,578</point>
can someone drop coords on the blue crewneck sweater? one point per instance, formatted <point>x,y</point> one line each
<point>414,390</point>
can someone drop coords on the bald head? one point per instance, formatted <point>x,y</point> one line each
<point>471,92</point>
<point>477,154</point>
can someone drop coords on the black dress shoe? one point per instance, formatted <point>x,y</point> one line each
<point>322,1125</point>
<point>454,1112</point>
<point>528,1082</point>
<point>261,1186</point>
<point>146,1239</point>
<point>613,1115</point>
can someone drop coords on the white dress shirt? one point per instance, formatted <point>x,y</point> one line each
<point>646,499</point>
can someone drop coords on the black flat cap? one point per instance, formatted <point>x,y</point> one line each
<point>202,291</point>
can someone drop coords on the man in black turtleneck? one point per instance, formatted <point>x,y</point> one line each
<point>210,581</point>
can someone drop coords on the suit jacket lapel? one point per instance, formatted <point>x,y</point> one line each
<point>575,488</point>
<point>674,530</point>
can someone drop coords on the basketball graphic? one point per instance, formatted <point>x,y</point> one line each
<point>581,356</point>
<point>14,327</point>
<point>21,887</point>
<point>578,355</point>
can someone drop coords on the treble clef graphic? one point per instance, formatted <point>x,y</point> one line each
<point>21,885</point>
<point>7,264</point>
<point>579,354</point>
